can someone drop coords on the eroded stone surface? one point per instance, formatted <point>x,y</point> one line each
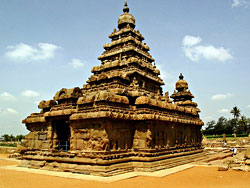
<point>118,117</point>
<point>223,167</point>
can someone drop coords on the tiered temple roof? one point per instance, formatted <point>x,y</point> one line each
<point>126,61</point>
<point>125,77</point>
<point>183,96</point>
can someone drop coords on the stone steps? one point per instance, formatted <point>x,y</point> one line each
<point>120,168</point>
<point>151,166</point>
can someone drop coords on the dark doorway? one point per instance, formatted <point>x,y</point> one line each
<point>63,134</point>
<point>131,100</point>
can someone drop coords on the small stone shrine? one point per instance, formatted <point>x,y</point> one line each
<point>120,121</point>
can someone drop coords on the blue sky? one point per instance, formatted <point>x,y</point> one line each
<point>48,45</point>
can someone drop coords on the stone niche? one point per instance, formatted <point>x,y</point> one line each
<point>102,135</point>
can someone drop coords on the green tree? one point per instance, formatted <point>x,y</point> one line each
<point>20,137</point>
<point>239,124</point>
<point>210,128</point>
<point>220,126</point>
<point>12,137</point>
<point>242,128</point>
<point>229,128</point>
<point>248,125</point>
<point>6,137</point>
<point>236,114</point>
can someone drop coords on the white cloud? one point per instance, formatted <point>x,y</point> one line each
<point>11,111</point>
<point>224,111</point>
<point>239,3</point>
<point>25,52</point>
<point>8,111</point>
<point>76,63</point>
<point>194,51</point>
<point>163,73</point>
<point>248,106</point>
<point>5,96</point>
<point>30,93</point>
<point>236,3</point>
<point>221,96</point>
<point>191,40</point>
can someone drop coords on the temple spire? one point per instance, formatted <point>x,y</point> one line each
<point>126,9</point>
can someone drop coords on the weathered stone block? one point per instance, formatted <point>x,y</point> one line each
<point>247,153</point>
<point>240,168</point>
<point>247,162</point>
<point>223,167</point>
<point>24,163</point>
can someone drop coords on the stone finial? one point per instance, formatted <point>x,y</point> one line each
<point>167,97</point>
<point>166,94</point>
<point>181,84</point>
<point>181,76</point>
<point>126,9</point>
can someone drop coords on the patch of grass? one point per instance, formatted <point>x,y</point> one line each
<point>8,145</point>
<point>227,136</point>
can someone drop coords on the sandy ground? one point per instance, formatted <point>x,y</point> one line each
<point>201,177</point>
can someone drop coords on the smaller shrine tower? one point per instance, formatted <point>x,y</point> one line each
<point>183,96</point>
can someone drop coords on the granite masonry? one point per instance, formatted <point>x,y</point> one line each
<point>119,121</point>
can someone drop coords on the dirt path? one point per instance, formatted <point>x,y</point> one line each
<point>195,177</point>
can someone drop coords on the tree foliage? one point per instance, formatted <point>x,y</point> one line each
<point>236,112</point>
<point>238,124</point>
<point>11,137</point>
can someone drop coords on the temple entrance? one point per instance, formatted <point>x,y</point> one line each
<point>131,100</point>
<point>63,134</point>
<point>123,138</point>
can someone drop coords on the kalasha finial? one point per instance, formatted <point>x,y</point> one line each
<point>126,9</point>
<point>181,76</point>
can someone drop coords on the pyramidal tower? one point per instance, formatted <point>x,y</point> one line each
<point>126,65</point>
<point>119,121</point>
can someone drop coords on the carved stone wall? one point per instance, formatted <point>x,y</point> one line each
<point>39,138</point>
<point>101,135</point>
<point>120,120</point>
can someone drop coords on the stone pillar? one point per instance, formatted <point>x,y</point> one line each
<point>50,135</point>
<point>192,135</point>
<point>235,136</point>
<point>54,136</point>
<point>157,136</point>
<point>200,137</point>
<point>224,138</point>
<point>161,136</point>
<point>165,139</point>
<point>73,138</point>
<point>149,139</point>
<point>172,134</point>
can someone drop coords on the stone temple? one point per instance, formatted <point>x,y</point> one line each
<point>120,121</point>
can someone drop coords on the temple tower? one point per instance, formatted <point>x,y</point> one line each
<point>126,63</point>
<point>182,96</point>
